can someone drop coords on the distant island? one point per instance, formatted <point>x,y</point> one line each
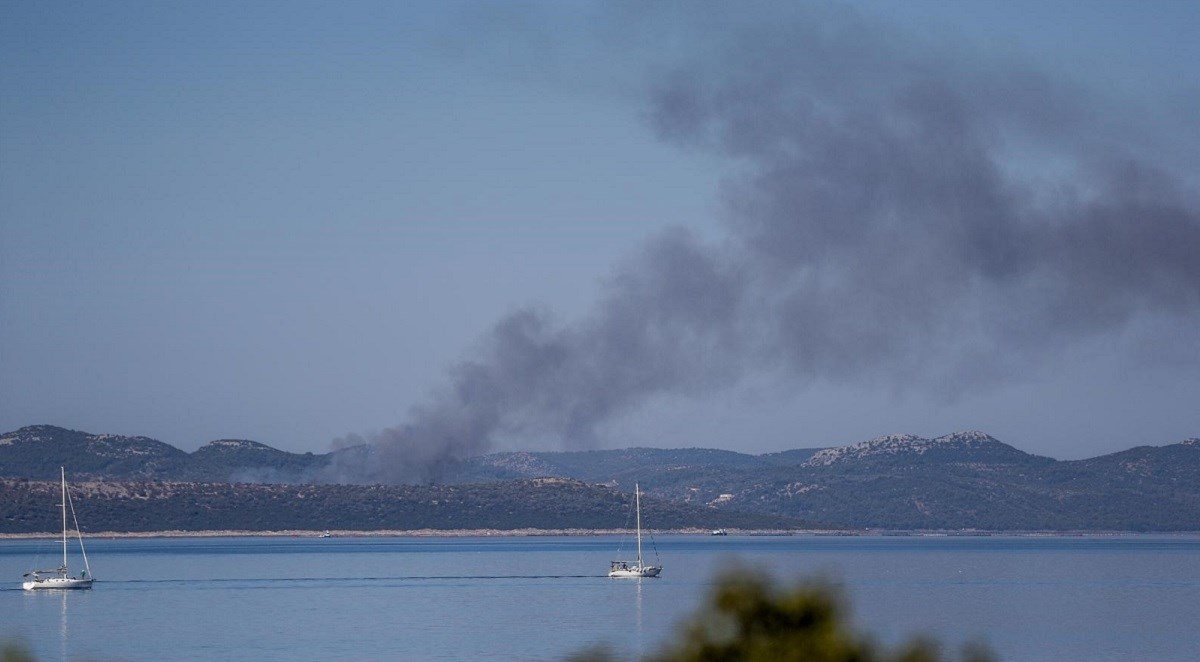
<point>544,504</point>
<point>961,482</point>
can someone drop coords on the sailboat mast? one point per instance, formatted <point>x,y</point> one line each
<point>637,499</point>
<point>64,515</point>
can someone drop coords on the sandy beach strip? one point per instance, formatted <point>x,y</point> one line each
<point>415,533</point>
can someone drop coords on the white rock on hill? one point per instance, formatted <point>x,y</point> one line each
<point>897,444</point>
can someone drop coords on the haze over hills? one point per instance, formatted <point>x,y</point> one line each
<point>37,451</point>
<point>966,480</point>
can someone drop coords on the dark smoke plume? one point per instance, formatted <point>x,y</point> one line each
<point>898,214</point>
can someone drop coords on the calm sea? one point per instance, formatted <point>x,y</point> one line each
<point>1035,598</point>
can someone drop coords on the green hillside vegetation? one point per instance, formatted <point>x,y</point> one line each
<point>39,450</point>
<point>245,461</point>
<point>30,506</point>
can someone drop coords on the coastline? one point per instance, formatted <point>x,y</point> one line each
<point>530,533</point>
<point>389,533</point>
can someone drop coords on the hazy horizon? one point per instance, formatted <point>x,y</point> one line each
<point>622,448</point>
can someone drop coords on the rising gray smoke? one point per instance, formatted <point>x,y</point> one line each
<point>899,214</point>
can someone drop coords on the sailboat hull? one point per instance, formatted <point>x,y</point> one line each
<point>651,571</point>
<point>57,583</point>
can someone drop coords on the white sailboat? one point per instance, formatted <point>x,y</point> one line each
<point>60,577</point>
<point>638,568</point>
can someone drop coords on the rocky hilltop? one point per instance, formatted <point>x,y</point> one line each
<point>970,446</point>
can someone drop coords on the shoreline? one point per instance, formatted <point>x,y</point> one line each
<point>531,533</point>
<point>382,533</point>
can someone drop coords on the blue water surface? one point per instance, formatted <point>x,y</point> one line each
<point>507,598</point>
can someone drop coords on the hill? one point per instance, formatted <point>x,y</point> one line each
<point>30,506</point>
<point>972,481</point>
<point>245,461</point>
<point>37,451</point>
<point>964,480</point>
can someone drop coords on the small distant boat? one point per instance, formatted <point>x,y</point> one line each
<point>719,532</point>
<point>638,568</point>
<point>325,534</point>
<point>60,577</point>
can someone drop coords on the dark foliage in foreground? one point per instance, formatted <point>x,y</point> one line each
<point>748,618</point>
<point>15,651</point>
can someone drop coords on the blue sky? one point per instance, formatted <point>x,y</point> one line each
<point>289,222</point>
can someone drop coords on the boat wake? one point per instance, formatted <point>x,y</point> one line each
<point>301,580</point>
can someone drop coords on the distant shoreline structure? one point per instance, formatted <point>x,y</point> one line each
<point>549,533</point>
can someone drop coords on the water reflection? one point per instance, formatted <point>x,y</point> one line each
<point>639,637</point>
<point>41,602</point>
<point>64,633</point>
